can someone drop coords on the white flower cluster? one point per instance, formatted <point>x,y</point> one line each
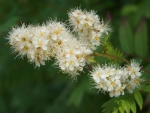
<point>54,39</point>
<point>31,41</point>
<point>40,43</point>
<point>116,80</point>
<point>88,27</point>
<point>72,57</point>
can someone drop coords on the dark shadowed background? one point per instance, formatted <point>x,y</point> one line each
<point>25,89</point>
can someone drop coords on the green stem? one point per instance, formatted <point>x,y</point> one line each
<point>111,56</point>
<point>146,81</point>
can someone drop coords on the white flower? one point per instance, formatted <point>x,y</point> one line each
<point>31,41</point>
<point>20,39</point>
<point>88,27</point>
<point>115,80</point>
<point>58,31</point>
<point>40,43</point>
<point>41,32</point>
<point>118,91</point>
<point>104,28</point>
<point>71,58</point>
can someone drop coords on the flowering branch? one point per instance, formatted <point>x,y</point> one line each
<point>71,50</point>
<point>117,58</point>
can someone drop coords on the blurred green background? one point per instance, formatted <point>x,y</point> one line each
<point>25,89</point>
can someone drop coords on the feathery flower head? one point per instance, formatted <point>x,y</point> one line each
<point>72,57</point>
<point>88,27</point>
<point>31,41</point>
<point>115,80</point>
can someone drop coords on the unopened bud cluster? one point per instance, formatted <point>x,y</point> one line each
<point>54,40</point>
<point>115,80</point>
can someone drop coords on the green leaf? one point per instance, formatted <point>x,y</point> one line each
<point>147,14</point>
<point>115,105</point>
<point>120,104</point>
<point>138,99</point>
<point>116,111</point>
<point>129,9</point>
<point>76,96</point>
<point>91,59</point>
<point>146,87</point>
<point>146,75</point>
<point>109,49</point>
<point>113,51</point>
<point>126,105</point>
<point>121,109</point>
<point>144,7</point>
<point>109,106</point>
<point>141,40</point>
<point>132,104</point>
<point>107,38</point>
<point>10,22</point>
<point>126,37</point>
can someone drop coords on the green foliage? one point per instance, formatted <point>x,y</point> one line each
<point>126,37</point>
<point>77,94</point>
<point>123,104</point>
<point>4,27</point>
<point>129,9</point>
<point>109,49</point>
<point>142,11</point>
<point>134,42</point>
<point>146,85</point>
<point>141,40</point>
<point>91,60</point>
<point>138,99</point>
<point>147,14</point>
